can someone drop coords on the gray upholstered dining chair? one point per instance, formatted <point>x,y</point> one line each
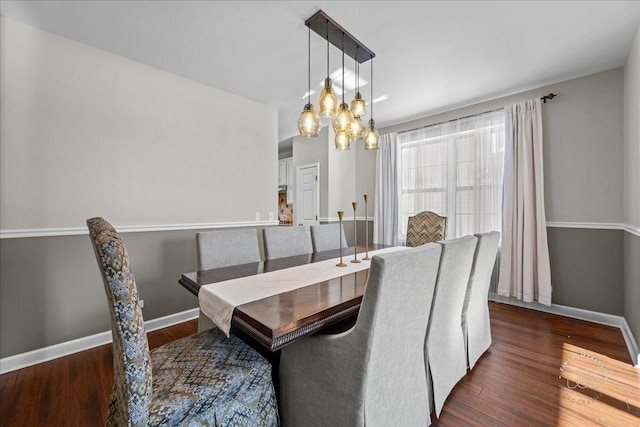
<point>280,242</point>
<point>374,373</point>
<point>202,379</point>
<point>445,349</point>
<point>426,227</point>
<point>476,325</point>
<point>225,248</point>
<point>327,236</point>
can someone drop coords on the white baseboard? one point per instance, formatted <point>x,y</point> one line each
<point>55,351</point>
<point>632,345</point>
<point>579,313</point>
<point>45,354</point>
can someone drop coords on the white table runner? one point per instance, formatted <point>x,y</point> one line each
<point>218,300</point>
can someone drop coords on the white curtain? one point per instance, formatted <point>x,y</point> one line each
<point>455,170</point>
<point>385,210</point>
<point>524,265</point>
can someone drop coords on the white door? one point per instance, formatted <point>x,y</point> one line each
<point>307,204</point>
<point>282,172</point>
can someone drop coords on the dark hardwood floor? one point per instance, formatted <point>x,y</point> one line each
<point>541,369</point>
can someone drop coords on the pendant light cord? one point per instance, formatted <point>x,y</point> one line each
<point>309,67</point>
<point>343,68</point>
<point>355,75</point>
<point>371,87</point>
<point>357,70</point>
<point>327,49</point>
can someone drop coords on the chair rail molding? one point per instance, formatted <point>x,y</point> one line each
<point>596,226</point>
<point>72,231</point>
<point>345,218</point>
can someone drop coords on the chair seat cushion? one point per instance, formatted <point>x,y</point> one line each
<point>209,379</point>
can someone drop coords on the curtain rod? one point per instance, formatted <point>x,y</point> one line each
<point>543,98</point>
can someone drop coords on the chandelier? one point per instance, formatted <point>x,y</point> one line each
<point>347,122</point>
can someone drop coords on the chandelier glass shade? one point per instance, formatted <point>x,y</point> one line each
<point>342,120</point>
<point>328,100</point>
<point>371,137</point>
<point>309,122</point>
<point>358,106</point>
<point>357,129</point>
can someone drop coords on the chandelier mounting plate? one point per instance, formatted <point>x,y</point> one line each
<point>330,30</point>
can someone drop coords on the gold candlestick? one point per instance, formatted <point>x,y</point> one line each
<point>366,229</point>
<point>355,235</point>
<point>341,264</point>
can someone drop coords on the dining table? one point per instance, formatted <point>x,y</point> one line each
<point>305,305</point>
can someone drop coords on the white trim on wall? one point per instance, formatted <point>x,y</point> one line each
<point>345,218</point>
<point>632,229</point>
<point>596,226</point>
<point>72,231</point>
<point>55,351</point>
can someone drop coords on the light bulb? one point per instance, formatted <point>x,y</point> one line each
<point>328,100</point>
<point>357,129</point>
<point>358,106</point>
<point>371,137</point>
<point>343,141</point>
<point>342,120</point>
<point>309,122</point>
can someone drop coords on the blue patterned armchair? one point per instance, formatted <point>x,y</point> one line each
<point>204,379</point>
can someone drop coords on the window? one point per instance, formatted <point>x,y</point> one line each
<point>453,169</point>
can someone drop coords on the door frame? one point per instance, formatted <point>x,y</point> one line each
<point>298,187</point>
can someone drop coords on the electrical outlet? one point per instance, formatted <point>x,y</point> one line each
<point>271,216</point>
<point>141,303</point>
<point>257,216</point>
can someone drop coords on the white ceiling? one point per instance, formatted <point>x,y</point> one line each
<point>430,56</point>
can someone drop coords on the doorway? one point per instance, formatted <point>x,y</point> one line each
<point>308,194</point>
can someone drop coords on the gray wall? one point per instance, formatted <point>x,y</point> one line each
<point>632,284</point>
<point>365,177</point>
<point>583,155</point>
<point>52,290</point>
<point>587,268</point>
<point>582,131</point>
<point>631,184</point>
<point>85,133</point>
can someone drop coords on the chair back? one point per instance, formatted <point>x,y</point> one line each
<point>225,248</point>
<point>280,242</point>
<point>476,325</point>
<point>445,341</point>
<point>426,227</point>
<point>326,237</point>
<point>131,362</point>
<point>392,325</point>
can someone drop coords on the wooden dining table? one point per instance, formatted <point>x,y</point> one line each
<point>278,320</point>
